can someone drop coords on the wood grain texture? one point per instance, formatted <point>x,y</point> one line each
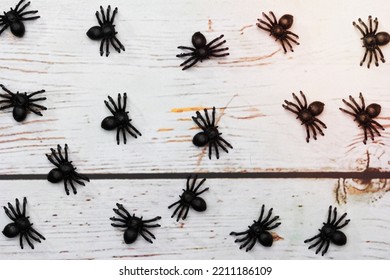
<point>248,87</point>
<point>78,227</point>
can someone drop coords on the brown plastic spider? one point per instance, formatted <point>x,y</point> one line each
<point>372,41</point>
<point>364,116</point>
<point>278,29</point>
<point>307,114</point>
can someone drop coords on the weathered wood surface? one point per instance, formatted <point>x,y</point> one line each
<point>78,227</point>
<point>248,87</point>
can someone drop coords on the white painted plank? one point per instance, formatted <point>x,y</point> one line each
<point>77,227</point>
<point>252,83</point>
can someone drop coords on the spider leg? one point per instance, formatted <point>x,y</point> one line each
<point>313,238</point>
<point>186,48</point>
<point>266,29</point>
<point>98,19</point>
<point>340,219</point>
<point>299,102</point>
<point>184,54</point>
<point>22,8</point>
<point>213,117</point>
<point>220,145</point>
<point>109,107</point>
<point>36,99</point>
<point>54,154</point>
<point>369,61</point>
<point>124,101</point>
<point>239,233</point>
<point>219,55</point>
<point>21,240</point>
<point>148,232</point>
<point>357,109</point>
<point>207,118</point>
<point>267,17</point>
<point>103,15</point>
<point>116,211</point>
<point>188,60</point>
<point>376,58</point>
<point>365,135</point>
<point>371,132</point>
<point>226,142</point>
<point>152,226</point>
<point>122,208</point>
<point>265,23</point>
<point>215,40</point>
<point>193,184</point>
<point>145,237</point>
<point>119,43</point>
<point>117,135</point>
<point>370,23</point>
<point>273,16</point>
<point>78,175</point>
<point>274,226</point>
<point>198,186</point>
<point>130,132</point>
<point>210,151</point>
<point>117,220</point>
<point>101,46</point>
<point>334,216</point>
<point>199,116</point>
<point>326,247</point>
<point>243,245</point>
<point>18,5</point>
<point>8,213</point>
<point>28,240</point>
<point>34,111</point>
<point>307,133</point>
<point>314,132</point>
<point>152,220</point>
<point>362,23</point>
<point>7,96</point>
<point>18,207</point>
<point>320,247</point>
<point>199,193</point>
<point>27,13</point>
<point>31,18</point>
<point>364,57</point>
<point>191,64</point>
<point>219,50</point>
<point>320,122</point>
<point>120,226</point>
<point>292,34</point>
<point>4,28</point>
<point>284,47</point>
<point>329,214</point>
<point>270,222</point>
<point>198,123</point>
<point>13,210</point>
<point>107,47</point>
<point>261,214</point>
<point>217,45</point>
<point>315,244</point>
<point>66,186</point>
<point>5,101</point>
<point>304,99</point>
<point>268,216</point>
<point>180,212</point>
<point>133,128</point>
<point>59,149</point>
<point>290,46</point>
<point>6,107</point>
<point>113,15</point>
<point>6,90</point>
<point>177,202</point>
<point>73,187</point>
<point>28,232</point>
<point>177,209</point>
<point>216,149</point>
<point>37,233</point>
<point>108,13</point>
<point>242,239</point>
<point>186,213</point>
<point>115,46</point>
<point>378,124</point>
<point>188,182</point>
<point>344,224</point>
<point>373,128</point>
<point>292,39</point>
<point>382,58</point>
<point>318,128</point>
<point>345,111</point>
<point>251,245</point>
<point>124,135</point>
<point>288,108</point>
<point>376,25</point>
<point>49,157</point>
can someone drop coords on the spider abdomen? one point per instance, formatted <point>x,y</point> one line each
<point>95,33</point>
<point>55,176</point>
<point>265,238</point>
<point>17,28</point>
<point>200,139</point>
<point>130,235</point>
<point>286,21</point>
<point>373,110</point>
<point>382,38</point>
<point>199,204</point>
<point>11,230</point>
<point>109,123</point>
<point>19,113</point>
<point>338,238</point>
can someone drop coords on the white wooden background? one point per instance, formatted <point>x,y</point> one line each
<point>248,88</point>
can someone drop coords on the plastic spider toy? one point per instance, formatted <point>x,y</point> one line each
<point>14,19</point>
<point>307,114</point>
<point>120,119</point>
<point>106,31</point>
<point>258,231</point>
<point>372,41</point>
<point>278,29</point>
<point>20,224</point>
<point>64,170</point>
<point>133,225</point>
<point>210,134</point>
<point>330,232</point>
<point>190,198</point>
<point>202,50</point>
<point>365,116</point>
<point>22,103</point>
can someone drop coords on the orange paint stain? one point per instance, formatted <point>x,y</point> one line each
<point>187,109</point>
<point>164,129</point>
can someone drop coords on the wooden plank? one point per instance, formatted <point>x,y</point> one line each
<point>248,87</point>
<point>77,227</point>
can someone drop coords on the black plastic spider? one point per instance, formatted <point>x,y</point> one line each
<point>190,198</point>
<point>133,225</point>
<point>210,134</point>
<point>106,31</point>
<point>202,50</point>
<point>364,116</point>
<point>22,103</point>
<point>372,41</point>
<point>120,121</point>
<point>307,114</point>
<point>14,19</point>
<point>20,224</point>
<point>278,29</point>
<point>64,170</point>
<point>259,231</point>
<point>330,232</point>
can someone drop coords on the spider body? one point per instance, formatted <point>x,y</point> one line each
<point>372,41</point>
<point>64,170</point>
<point>14,19</point>
<point>330,233</point>
<point>22,103</point>
<point>210,134</point>
<point>120,119</point>
<point>21,224</point>
<point>307,115</point>
<point>106,32</point>
<point>364,116</point>
<point>258,231</point>
<point>202,50</point>
<point>190,199</point>
<point>279,29</point>
<point>134,225</point>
